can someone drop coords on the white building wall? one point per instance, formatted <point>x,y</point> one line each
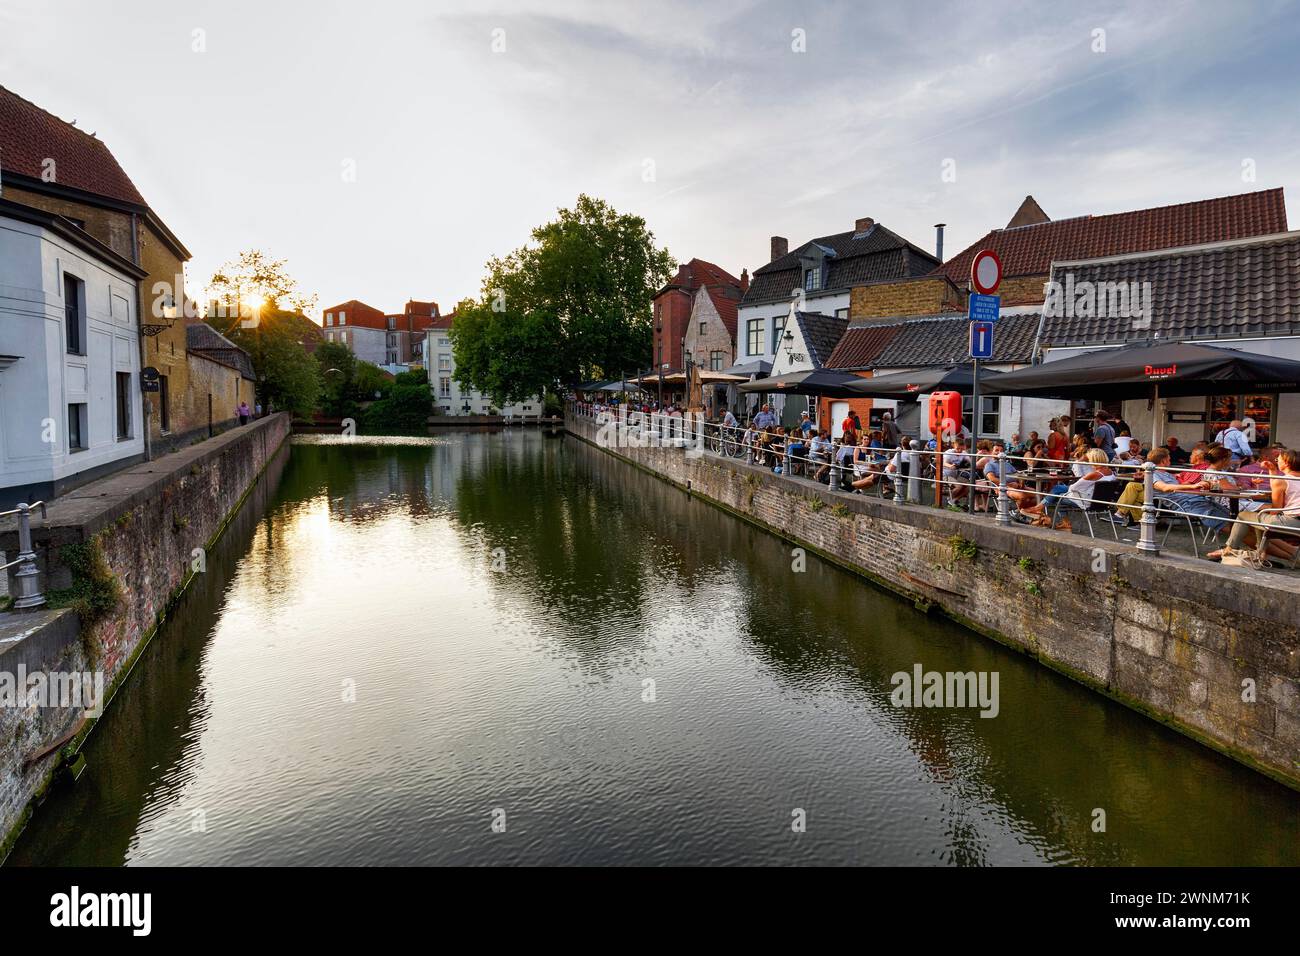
<point>449,398</point>
<point>771,313</point>
<point>37,387</point>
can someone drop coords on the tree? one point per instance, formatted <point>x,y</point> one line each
<point>404,408</point>
<point>338,370</point>
<point>573,305</point>
<point>288,378</point>
<point>254,280</point>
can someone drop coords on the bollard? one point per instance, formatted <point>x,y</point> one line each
<point>1147,526</point>
<point>914,471</point>
<point>28,578</point>
<point>900,477</point>
<point>1004,501</point>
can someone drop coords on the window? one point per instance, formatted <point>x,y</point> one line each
<point>704,327</point>
<point>754,336</point>
<point>329,318</point>
<point>343,318</point>
<point>1255,412</point>
<point>123,405</point>
<point>444,363</point>
<point>991,420</point>
<point>812,279</point>
<point>164,404</point>
<point>72,289</point>
<point>841,313</point>
<point>444,387</point>
<point>778,327</point>
<point>444,341</point>
<point>715,361</point>
<point>77,427</point>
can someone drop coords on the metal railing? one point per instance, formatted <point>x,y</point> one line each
<point>909,469</point>
<point>28,576</point>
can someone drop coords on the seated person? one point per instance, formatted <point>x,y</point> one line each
<point>1080,492</point>
<point>997,474</point>
<point>819,453</point>
<point>1285,488</point>
<point>957,469</point>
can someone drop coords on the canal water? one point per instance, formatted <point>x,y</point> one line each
<point>509,648</point>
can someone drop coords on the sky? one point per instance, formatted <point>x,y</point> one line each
<point>388,149</point>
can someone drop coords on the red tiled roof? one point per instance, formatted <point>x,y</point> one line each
<point>695,273</point>
<point>725,304</point>
<point>29,136</point>
<point>1030,250</point>
<point>860,345</point>
<point>358,313</point>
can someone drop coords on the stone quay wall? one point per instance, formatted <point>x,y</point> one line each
<point>115,555</point>
<point>1213,652</point>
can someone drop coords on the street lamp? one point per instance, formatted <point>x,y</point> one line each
<point>659,361</point>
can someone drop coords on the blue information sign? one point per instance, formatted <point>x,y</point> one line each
<point>984,308</point>
<point>981,340</point>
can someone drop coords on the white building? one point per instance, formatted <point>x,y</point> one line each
<point>70,399</point>
<point>448,396</point>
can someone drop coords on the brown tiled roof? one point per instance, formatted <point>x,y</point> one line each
<point>1224,290</point>
<point>854,258</point>
<point>29,136</point>
<point>860,345</point>
<point>1031,250</point>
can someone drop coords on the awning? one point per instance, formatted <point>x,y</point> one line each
<point>1145,370</point>
<point>922,381</point>
<point>817,381</point>
<point>750,369</point>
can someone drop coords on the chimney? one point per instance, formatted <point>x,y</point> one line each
<point>938,240</point>
<point>744,281</point>
<point>780,246</point>
<point>863,224</point>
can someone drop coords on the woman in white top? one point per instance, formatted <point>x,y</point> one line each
<point>1098,471</point>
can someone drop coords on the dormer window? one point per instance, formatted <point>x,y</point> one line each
<point>812,278</point>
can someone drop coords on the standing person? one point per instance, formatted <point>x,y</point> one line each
<point>765,418</point>
<point>857,422</point>
<point>1103,435</point>
<point>258,407</point>
<point>850,435</point>
<point>1058,442</point>
<point>892,436</point>
<point>242,412</point>
<point>1234,439</point>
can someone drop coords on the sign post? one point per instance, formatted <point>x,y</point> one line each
<point>984,306</point>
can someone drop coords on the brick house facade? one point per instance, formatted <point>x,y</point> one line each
<point>674,303</point>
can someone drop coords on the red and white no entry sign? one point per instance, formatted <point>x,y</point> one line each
<point>986,272</point>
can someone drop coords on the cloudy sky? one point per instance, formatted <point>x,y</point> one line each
<point>387,149</point>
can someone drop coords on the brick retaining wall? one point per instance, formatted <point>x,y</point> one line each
<point>147,522</point>
<point>1172,637</point>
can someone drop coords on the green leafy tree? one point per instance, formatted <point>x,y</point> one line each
<point>288,378</point>
<point>338,371</point>
<point>404,408</point>
<point>572,305</point>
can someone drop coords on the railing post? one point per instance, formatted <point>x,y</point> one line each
<point>914,470</point>
<point>1004,500</point>
<point>28,576</point>
<point>900,478</point>
<point>1147,526</point>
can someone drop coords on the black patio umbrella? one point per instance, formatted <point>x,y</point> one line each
<point>1150,370</point>
<point>818,381</point>
<point>922,381</point>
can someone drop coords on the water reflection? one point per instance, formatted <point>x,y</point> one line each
<point>496,604</point>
